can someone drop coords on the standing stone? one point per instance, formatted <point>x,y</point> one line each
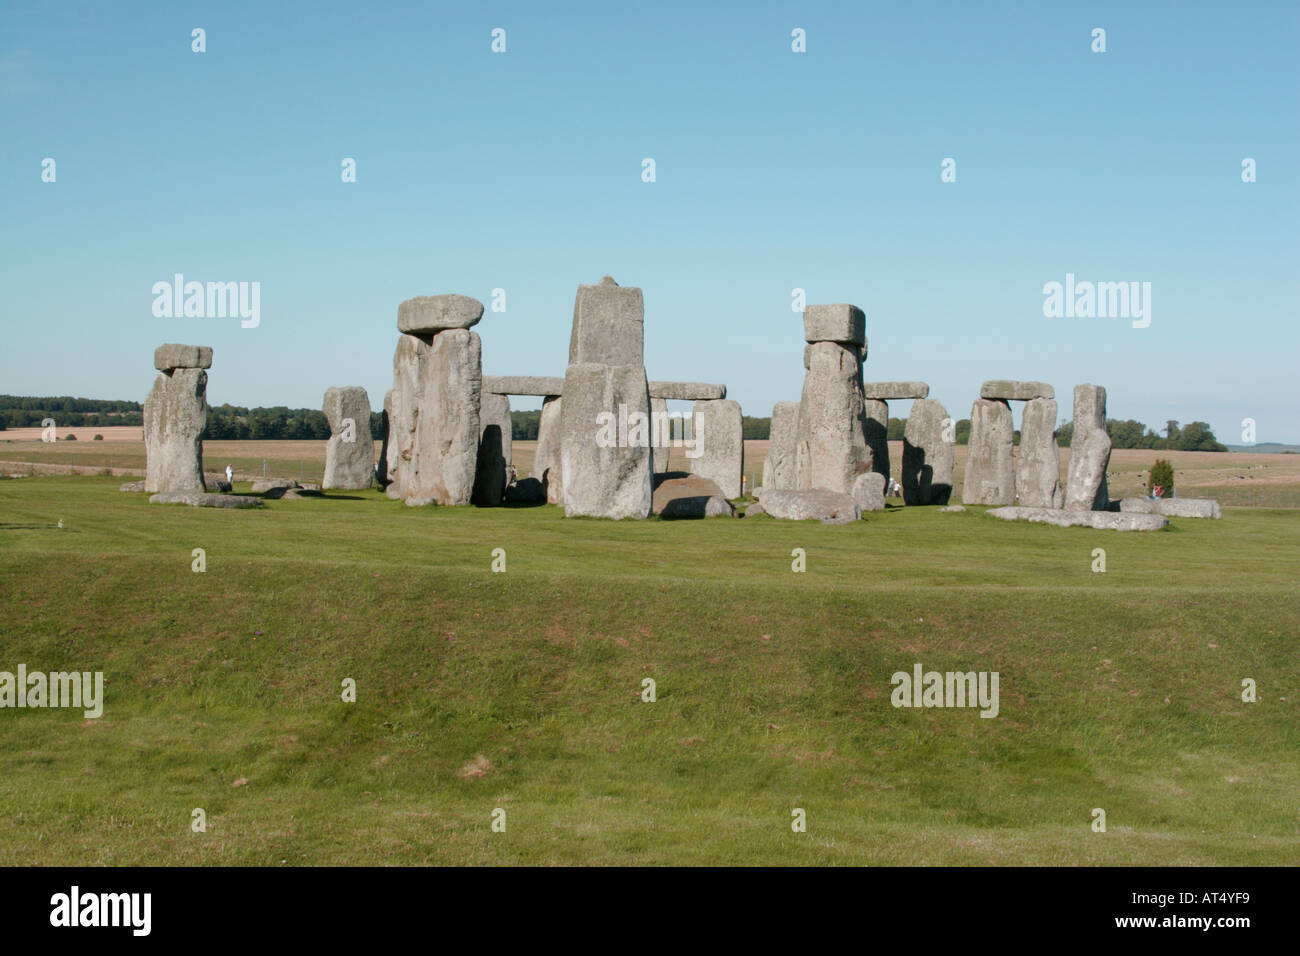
<point>447,430</point>
<point>409,370</point>
<point>175,414</point>
<point>608,325</point>
<point>869,491</point>
<point>876,429</point>
<point>1085,487</point>
<point>546,460</point>
<point>719,444</point>
<point>990,467</point>
<point>1038,469</point>
<point>928,453</point>
<point>779,466</point>
<point>832,448</point>
<point>605,441</point>
<point>494,449</point>
<point>350,451</point>
<point>660,433</point>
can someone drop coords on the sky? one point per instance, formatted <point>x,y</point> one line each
<point>774,170</point>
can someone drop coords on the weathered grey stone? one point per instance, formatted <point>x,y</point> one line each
<point>887,391</point>
<point>494,450</point>
<point>546,460</point>
<point>263,485</point>
<point>660,434</point>
<point>1085,486</point>
<point>803,503</point>
<point>605,456</point>
<point>434,431</point>
<point>832,450</point>
<point>687,391</point>
<point>928,454</point>
<point>875,426</point>
<point>955,509</point>
<point>1038,466</point>
<point>1102,520</point>
<point>807,356</point>
<point>350,451</point>
<point>869,491</point>
<point>834,323</point>
<point>175,414</point>
<point>720,444</point>
<point>1172,507</point>
<point>1007,390</point>
<point>691,497</point>
<point>779,466</point>
<point>990,468</point>
<point>132,486</point>
<point>753,511</point>
<point>541,385</point>
<point>200,499</point>
<point>430,314</point>
<point>169,357</point>
<point>608,325</point>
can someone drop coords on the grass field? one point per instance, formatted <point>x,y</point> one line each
<point>521,690</point>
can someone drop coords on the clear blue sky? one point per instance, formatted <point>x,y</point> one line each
<point>775,170</point>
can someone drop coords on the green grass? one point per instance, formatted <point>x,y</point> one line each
<point>1118,690</point>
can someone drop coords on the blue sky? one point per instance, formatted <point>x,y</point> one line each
<point>775,171</point>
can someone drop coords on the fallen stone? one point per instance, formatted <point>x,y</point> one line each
<point>1172,507</point>
<point>1102,520</point>
<point>200,499</point>
<point>687,391</point>
<point>719,444</point>
<point>608,326</point>
<point>691,497</point>
<point>779,466</point>
<point>1038,466</point>
<point>523,385</point>
<point>169,357</point>
<point>990,468</point>
<point>928,454</point>
<point>1009,391</point>
<point>414,502</point>
<point>753,511</point>
<point>350,451</point>
<point>132,486</point>
<point>955,509</point>
<point>805,503</point>
<point>887,391</point>
<point>834,323</point>
<point>869,491</point>
<point>430,314</point>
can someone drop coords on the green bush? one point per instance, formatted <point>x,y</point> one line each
<point>69,437</point>
<point>1162,473</point>
<point>98,438</point>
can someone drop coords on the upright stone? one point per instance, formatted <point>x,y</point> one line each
<point>608,325</point>
<point>350,451</point>
<point>175,414</point>
<point>876,428</point>
<point>832,447</point>
<point>928,452</point>
<point>1038,468</point>
<point>546,460</point>
<point>447,429</point>
<point>1085,487</point>
<point>779,466</point>
<point>990,467</point>
<point>720,444</point>
<point>409,374</point>
<point>494,449</point>
<point>605,441</point>
<point>660,433</point>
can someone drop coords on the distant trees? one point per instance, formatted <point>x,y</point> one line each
<point>524,425</point>
<point>1162,474</point>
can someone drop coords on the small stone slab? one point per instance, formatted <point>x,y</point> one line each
<point>430,314</point>
<point>888,391</point>
<point>1102,520</point>
<point>199,499</point>
<point>169,357</point>
<point>1172,507</point>
<point>834,323</point>
<point>1009,391</point>
<point>541,385</point>
<point>690,497</point>
<point>132,486</point>
<point>687,391</point>
<point>831,507</point>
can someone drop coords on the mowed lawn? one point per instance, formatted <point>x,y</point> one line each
<point>522,690</point>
